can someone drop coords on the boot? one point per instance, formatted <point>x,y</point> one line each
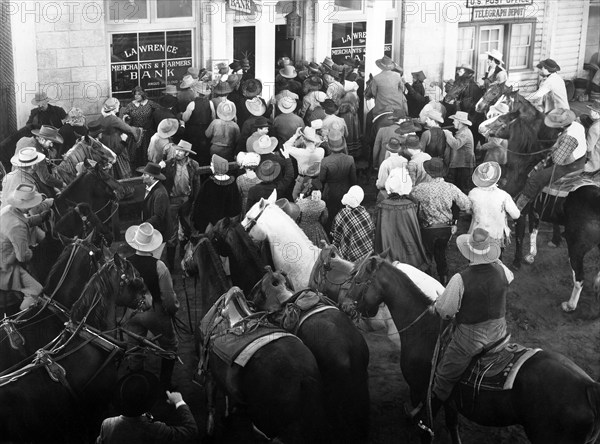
<point>522,201</point>
<point>171,258</point>
<point>421,420</point>
<point>166,373</point>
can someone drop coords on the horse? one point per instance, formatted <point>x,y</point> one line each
<point>339,348</point>
<point>570,398</point>
<point>491,96</point>
<point>62,394</point>
<point>279,386</point>
<point>292,251</point>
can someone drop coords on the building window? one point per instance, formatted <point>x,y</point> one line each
<point>127,10</point>
<point>466,45</point>
<point>349,5</point>
<point>520,45</point>
<point>148,11</point>
<point>151,60</point>
<point>349,40</point>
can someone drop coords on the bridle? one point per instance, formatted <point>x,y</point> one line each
<point>252,222</point>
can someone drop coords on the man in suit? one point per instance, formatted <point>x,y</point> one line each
<point>156,204</point>
<point>44,113</point>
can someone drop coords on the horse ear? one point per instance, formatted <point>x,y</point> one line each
<point>118,260</point>
<point>90,236</point>
<point>273,197</point>
<point>385,253</point>
<point>268,269</point>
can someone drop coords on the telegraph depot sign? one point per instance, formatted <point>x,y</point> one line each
<point>499,9</point>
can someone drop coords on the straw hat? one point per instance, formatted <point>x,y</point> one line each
<point>336,141</point>
<point>478,247</point>
<point>153,169</point>
<point>187,82</point>
<point>251,88</point>
<point>143,237</point>
<point>201,88</point>
<point>494,53</point>
<point>288,71</point>
<point>558,118</point>
<point>354,197</point>
<point>268,171</point>
<point>385,63</point>
<point>286,105</point>
<point>40,98</point>
<point>111,104</point>
<point>25,196</point>
<point>186,146</point>
<point>167,128</point>
<point>487,174</point>
<point>48,132</point>
<point>219,164</point>
<point>226,110</point>
<point>264,144</point>
<point>310,134</point>
<point>435,167</point>
<point>255,106</point>
<point>27,156</point>
<point>462,117</point>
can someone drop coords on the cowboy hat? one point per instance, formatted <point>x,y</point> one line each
<point>186,146</point>
<point>558,118</point>
<point>393,145</point>
<point>24,197</point>
<point>314,67</point>
<point>268,171</point>
<point>222,89</point>
<point>39,98</point>
<point>167,128</point>
<point>478,247</point>
<point>354,197</point>
<point>408,127</point>
<point>310,134</point>
<point>435,167</point>
<point>251,88</point>
<point>411,141</point>
<point>143,237</point>
<point>48,132</point>
<point>495,54</point>
<point>265,144</point>
<point>595,106</point>
<point>467,68</point>
<point>434,114</point>
<point>487,174</point>
<point>111,104</point>
<point>248,160</point>
<point>170,89</point>
<point>226,110</point>
<point>136,393</point>
<point>314,82</point>
<point>201,88</point>
<point>329,106</point>
<point>289,208</point>
<point>462,117</point>
<point>194,72</point>
<point>255,106</point>
<point>219,164</point>
<point>385,63</point>
<point>27,156</point>
<point>187,82</point>
<point>501,108</point>
<point>286,93</point>
<point>288,71</point>
<point>327,63</point>
<point>153,169</point>
<point>261,122</point>
<point>167,101</point>
<point>549,64</point>
<point>286,105</point>
<point>336,141</point>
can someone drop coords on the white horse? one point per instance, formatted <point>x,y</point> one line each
<point>295,254</point>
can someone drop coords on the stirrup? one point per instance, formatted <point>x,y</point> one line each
<point>425,428</point>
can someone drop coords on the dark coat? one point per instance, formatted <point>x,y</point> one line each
<point>259,191</point>
<point>53,116</point>
<point>217,199</point>
<point>156,210</point>
<point>338,174</point>
<point>112,128</point>
<point>193,170</point>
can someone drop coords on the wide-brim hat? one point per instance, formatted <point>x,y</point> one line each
<point>143,237</point>
<point>261,122</point>
<point>226,110</point>
<point>549,64</point>
<point>265,144</point>
<point>24,196</point>
<point>288,71</point>
<point>478,247</point>
<point>289,208</point>
<point>595,106</point>
<point>435,167</point>
<point>170,89</point>
<point>462,117</point>
<point>420,75</point>
<point>487,174</point>
<point>201,88</point>
<point>354,197</point>
<point>255,106</point>
<point>336,141</point>
<point>268,171</point>
<point>286,105</point>
<point>310,134</point>
<point>111,104</point>
<point>251,88</point>
<point>167,128</point>
<point>314,67</point>
<point>559,118</point>
<point>467,68</point>
<point>434,114</point>
<point>408,127</point>
<point>167,101</point>
<point>327,63</point>
<point>136,393</point>
<point>223,88</point>
<point>385,63</point>
<point>48,132</point>
<point>153,169</point>
<point>186,146</point>
<point>187,82</point>
<point>393,145</point>
<point>411,141</point>
<point>494,53</point>
<point>27,156</point>
<point>40,98</point>
<point>314,82</point>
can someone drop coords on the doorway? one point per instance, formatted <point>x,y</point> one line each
<point>244,38</point>
<point>283,47</point>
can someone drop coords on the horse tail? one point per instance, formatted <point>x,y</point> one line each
<point>593,395</point>
<point>315,423</point>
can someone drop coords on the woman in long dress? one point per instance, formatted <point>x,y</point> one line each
<point>313,214</point>
<point>138,113</point>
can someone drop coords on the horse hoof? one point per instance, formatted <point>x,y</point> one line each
<point>530,258</point>
<point>567,308</point>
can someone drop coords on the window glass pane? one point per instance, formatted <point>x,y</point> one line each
<point>152,46</point>
<point>349,5</point>
<point>389,28</point>
<point>520,43</point>
<point>178,44</point>
<point>341,35</point>
<point>173,8</point>
<point>125,10</point>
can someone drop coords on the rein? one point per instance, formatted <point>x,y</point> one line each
<point>253,222</point>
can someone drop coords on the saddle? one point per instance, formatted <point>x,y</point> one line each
<point>299,308</point>
<point>571,182</point>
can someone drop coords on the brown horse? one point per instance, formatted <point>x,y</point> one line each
<point>339,348</point>
<point>552,398</point>
<point>63,393</point>
<point>279,386</point>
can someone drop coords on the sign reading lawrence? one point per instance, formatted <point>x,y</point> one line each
<point>518,12</point>
<point>497,3</point>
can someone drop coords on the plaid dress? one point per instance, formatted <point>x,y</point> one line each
<point>352,233</point>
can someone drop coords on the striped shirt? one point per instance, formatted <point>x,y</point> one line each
<point>352,233</point>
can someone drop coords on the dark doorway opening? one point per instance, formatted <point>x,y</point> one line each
<point>283,47</point>
<point>244,38</point>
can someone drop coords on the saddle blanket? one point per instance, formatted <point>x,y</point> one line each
<point>571,182</point>
<point>497,371</point>
<point>299,308</point>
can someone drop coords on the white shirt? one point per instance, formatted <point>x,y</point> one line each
<point>489,207</point>
<point>394,161</point>
<point>551,94</point>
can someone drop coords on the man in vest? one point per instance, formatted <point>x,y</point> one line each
<point>552,92</point>
<point>476,299</point>
<point>568,154</point>
<point>144,239</point>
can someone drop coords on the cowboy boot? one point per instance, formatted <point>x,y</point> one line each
<point>166,373</point>
<point>522,201</point>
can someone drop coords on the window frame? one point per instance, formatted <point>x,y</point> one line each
<point>530,49</point>
<point>152,21</point>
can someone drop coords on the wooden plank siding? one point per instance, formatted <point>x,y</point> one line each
<point>568,36</point>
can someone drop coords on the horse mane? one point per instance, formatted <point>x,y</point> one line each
<point>281,218</point>
<point>212,274</point>
<point>57,269</point>
<point>100,283</point>
<point>406,281</point>
<point>246,244</point>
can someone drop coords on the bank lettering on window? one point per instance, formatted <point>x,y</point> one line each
<point>151,60</point>
<point>349,41</point>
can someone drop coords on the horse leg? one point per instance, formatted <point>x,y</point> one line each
<point>576,253</point>
<point>556,236</point>
<point>451,415</point>
<point>519,235</point>
<point>530,257</point>
<point>211,403</point>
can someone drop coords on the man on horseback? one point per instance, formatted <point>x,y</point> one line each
<point>476,299</point>
<point>16,237</point>
<point>568,154</point>
<point>552,92</point>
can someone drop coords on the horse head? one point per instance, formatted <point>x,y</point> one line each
<point>188,265</point>
<point>331,272</point>
<point>454,91</point>
<point>272,291</point>
<point>218,236</point>
<point>491,95</point>
<point>250,222</point>
<point>363,296</point>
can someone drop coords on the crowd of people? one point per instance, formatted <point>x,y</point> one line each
<point>304,144</point>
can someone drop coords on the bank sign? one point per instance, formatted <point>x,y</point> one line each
<point>151,60</point>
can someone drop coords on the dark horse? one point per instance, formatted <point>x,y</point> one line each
<point>528,140</point>
<point>339,348</point>
<point>552,398</point>
<point>64,392</point>
<point>491,96</point>
<point>280,386</point>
